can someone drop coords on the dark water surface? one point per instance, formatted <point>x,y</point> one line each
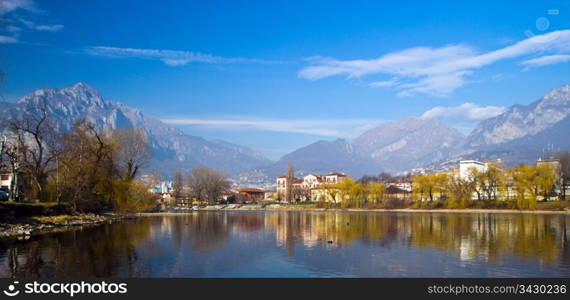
<point>296,244</point>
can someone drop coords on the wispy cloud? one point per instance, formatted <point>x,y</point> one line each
<point>546,60</point>
<point>52,28</point>
<point>7,6</point>
<point>7,39</point>
<point>168,57</point>
<point>16,14</point>
<point>340,128</point>
<point>466,112</point>
<point>434,71</point>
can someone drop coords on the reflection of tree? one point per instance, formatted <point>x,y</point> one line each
<point>94,252</point>
<point>488,236</point>
<point>113,250</point>
<point>207,231</point>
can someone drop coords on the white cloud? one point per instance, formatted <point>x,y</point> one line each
<point>434,71</point>
<point>386,83</point>
<point>168,57</point>
<point>7,39</point>
<point>7,6</point>
<point>546,60</point>
<point>52,28</point>
<point>466,112</point>
<point>341,128</point>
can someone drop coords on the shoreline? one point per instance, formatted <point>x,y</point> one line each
<point>246,208</point>
<point>35,226</point>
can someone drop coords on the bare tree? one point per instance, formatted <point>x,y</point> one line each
<point>300,193</point>
<point>207,184</point>
<point>133,153</point>
<point>290,177</point>
<point>177,185</point>
<point>12,153</point>
<point>36,134</point>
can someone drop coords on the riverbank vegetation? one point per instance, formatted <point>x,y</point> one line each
<point>529,187</point>
<point>85,167</point>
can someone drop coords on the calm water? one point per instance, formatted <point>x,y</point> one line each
<point>293,244</point>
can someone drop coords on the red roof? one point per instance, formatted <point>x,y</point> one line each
<point>336,173</point>
<point>251,190</point>
<point>395,190</point>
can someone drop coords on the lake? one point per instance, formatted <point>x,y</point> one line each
<point>301,244</point>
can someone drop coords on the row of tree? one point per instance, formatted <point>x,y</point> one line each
<point>90,168</point>
<point>203,184</point>
<point>522,185</point>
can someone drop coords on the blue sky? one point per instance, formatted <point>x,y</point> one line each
<point>278,75</point>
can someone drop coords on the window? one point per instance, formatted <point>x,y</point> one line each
<point>5,177</point>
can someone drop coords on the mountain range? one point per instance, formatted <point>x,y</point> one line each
<point>521,134</point>
<point>171,148</point>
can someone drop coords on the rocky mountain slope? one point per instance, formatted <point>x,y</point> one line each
<point>523,121</point>
<point>524,132</point>
<point>394,147</point>
<point>171,148</point>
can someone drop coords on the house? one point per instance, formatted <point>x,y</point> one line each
<point>5,181</point>
<point>466,167</point>
<point>405,185</point>
<point>305,185</point>
<point>394,192</point>
<point>163,188</point>
<point>250,195</point>
<point>312,180</point>
<point>326,193</point>
<point>334,177</point>
<point>270,195</point>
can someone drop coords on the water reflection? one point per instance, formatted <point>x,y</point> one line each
<point>294,244</point>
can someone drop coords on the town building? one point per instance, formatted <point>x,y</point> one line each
<point>466,167</point>
<point>162,188</point>
<point>250,195</point>
<point>5,181</point>
<point>405,185</point>
<point>308,183</point>
<point>395,192</point>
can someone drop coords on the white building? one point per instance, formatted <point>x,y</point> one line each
<point>405,185</point>
<point>465,167</point>
<point>6,181</point>
<point>334,177</point>
<point>312,180</point>
<point>309,182</point>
